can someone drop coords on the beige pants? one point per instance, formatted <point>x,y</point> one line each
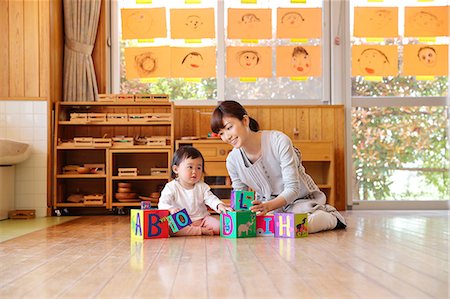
<point>195,229</point>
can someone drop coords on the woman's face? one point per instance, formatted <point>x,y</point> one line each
<point>235,132</point>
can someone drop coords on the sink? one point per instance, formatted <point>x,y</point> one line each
<point>13,152</point>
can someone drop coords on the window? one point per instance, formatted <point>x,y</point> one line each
<point>224,85</point>
<point>399,118</point>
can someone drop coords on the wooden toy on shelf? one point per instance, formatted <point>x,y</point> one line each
<point>83,141</point>
<point>156,140</point>
<point>128,171</point>
<point>159,171</point>
<point>101,142</point>
<point>93,199</point>
<point>96,117</point>
<point>118,118</point>
<point>78,117</point>
<point>106,98</point>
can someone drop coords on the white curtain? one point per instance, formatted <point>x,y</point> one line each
<point>80,28</point>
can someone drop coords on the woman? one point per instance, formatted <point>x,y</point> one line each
<point>268,163</point>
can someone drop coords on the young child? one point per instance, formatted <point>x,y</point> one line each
<point>187,190</point>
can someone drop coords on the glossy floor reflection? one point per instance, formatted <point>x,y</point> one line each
<point>382,254</point>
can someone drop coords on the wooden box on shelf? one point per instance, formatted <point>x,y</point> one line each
<point>156,140</point>
<point>93,199</point>
<point>125,98</point>
<point>78,117</point>
<point>96,117</point>
<point>107,98</point>
<point>127,171</point>
<point>101,142</point>
<point>159,116</point>
<point>122,141</point>
<point>96,168</point>
<point>159,171</point>
<point>117,118</point>
<point>83,141</point>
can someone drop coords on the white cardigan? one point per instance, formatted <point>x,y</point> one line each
<point>175,196</point>
<point>278,171</point>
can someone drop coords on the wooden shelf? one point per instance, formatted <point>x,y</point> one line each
<point>141,157</point>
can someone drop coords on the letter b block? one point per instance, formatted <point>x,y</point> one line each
<point>238,224</point>
<point>241,200</point>
<point>289,225</point>
<point>146,224</point>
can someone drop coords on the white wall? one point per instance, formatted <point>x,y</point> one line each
<point>27,121</point>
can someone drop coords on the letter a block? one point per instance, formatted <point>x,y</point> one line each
<point>289,225</point>
<point>241,200</point>
<point>238,224</point>
<point>265,225</point>
<point>146,224</point>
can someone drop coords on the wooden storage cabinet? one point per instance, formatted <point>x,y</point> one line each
<point>152,173</point>
<point>102,136</point>
<point>317,157</point>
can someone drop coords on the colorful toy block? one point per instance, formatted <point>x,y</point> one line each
<point>146,205</point>
<point>238,224</point>
<point>265,225</point>
<point>178,221</point>
<point>290,225</point>
<point>241,200</point>
<point>146,224</point>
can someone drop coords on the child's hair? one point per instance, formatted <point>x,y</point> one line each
<point>184,153</point>
<point>299,50</point>
<point>230,109</point>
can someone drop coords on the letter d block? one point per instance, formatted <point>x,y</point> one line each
<point>238,224</point>
<point>289,225</point>
<point>146,224</point>
<point>265,225</point>
<point>241,200</point>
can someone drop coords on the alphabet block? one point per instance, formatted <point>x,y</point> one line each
<point>290,225</point>
<point>146,205</point>
<point>238,224</point>
<point>265,225</point>
<point>179,220</point>
<point>241,200</point>
<point>147,224</point>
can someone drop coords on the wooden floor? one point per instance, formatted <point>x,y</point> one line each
<point>382,254</point>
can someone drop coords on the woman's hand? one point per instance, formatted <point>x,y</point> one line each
<point>221,208</point>
<point>260,208</point>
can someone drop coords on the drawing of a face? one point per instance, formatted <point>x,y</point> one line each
<point>301,61</point>
<point>292,18</point>
<point>193,61</point>
<point>248,59</point>
<point>372,61</point>
<point>141,22</point>
<point>193,22</point>
<point>145,63</point>
<point>427,55</point>
<point>249,18</point>
<point>426,21</point>
<point>380,18</point>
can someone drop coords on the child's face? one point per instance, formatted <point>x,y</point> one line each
<point>427,57</point>
<point>189,172</point>
<point>248,60</point>
<point>301,63</point>
<point>371,62</point>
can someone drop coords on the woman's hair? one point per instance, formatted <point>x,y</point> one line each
<point>230,109</point>
<point>184,153</point>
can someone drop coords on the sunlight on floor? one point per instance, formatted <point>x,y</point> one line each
<point>13,228</point>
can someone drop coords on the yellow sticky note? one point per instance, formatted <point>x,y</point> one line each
<point>250,41</point>
<point>192,1</point>
<point>425,78</point>
<point>249,1</point>
<point>149,80</point>
<point>193,41</point>
<point>195,80</point>
<point>298,1</point>
<point>427,39</point>
<point>144,1</point>
<point>146,40</point>
<point>248,80</point>
<point>373,78</point>
<point>299,78</point>
<point>299,40</point>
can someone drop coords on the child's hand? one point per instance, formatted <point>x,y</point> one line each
<point>174,210</point>
<point>221,208</point>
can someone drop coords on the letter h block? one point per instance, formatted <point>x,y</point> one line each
<point>147,224</point>
<point>290,225</point>
<point>238,224</point>
<point>241,200</point>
